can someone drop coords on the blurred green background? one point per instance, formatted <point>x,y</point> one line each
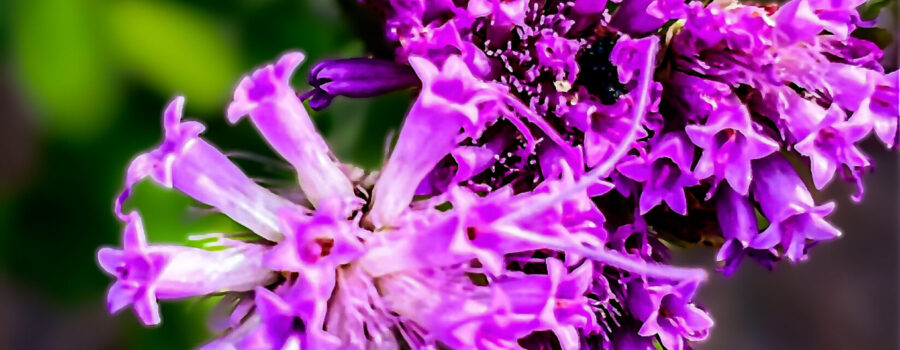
<point>82,86</point>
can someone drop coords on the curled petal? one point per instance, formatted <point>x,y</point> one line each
<point>191,165</point>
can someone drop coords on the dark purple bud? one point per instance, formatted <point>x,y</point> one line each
<point>356,77</point>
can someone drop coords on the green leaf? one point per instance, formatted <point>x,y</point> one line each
<point>872,8</point>
<point>62,67</point>
<point>175,49</point>
<point>657,345</point>
<point>762,222</point>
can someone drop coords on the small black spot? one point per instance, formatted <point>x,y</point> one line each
<point>122,271</point>
<point>297,325</point>
<point>597,74</point>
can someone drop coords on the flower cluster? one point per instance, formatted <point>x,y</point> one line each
<point>551,149</point>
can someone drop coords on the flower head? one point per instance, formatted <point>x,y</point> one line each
<point>494,223</point>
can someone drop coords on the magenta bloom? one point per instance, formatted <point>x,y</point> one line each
<point>832,143</point>
<point>667,312</point>
<point>728,138</point>
<point>149,272</point>
<point>518,206</point>
<point>319,261</point>
<point>795,220</point>
<point>665,172</point>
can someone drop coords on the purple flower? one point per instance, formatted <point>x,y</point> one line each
<point>453,104</point>
<point>146,273</point>
<point>437,42</point>
<point>325,239</point>
<point>558,55</point>
<point>627,56</point>
<point>801,20</point>
<point>503,12</point>
<point>495,318</point>
<point>291,323</point>
<point>494,224</point>
<point>667,311</point>
<point>733,254</point>
<point>191,165</point>
<point>729,140</point>
<point>882,108</point>
<point>831,144</point>
<point>640,17</point>
<point>136,270</point>
<point>665,172</point>
<point>793,216</point>
<point>737,220</point>
<point>280,117</point>
<point>604,126</point>
<point>330,262</point>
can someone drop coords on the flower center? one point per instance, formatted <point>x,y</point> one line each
<point>318,248</point>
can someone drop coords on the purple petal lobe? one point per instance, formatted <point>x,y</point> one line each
<point>188,163</point>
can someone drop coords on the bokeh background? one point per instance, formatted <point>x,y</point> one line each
<point>82,86</point>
